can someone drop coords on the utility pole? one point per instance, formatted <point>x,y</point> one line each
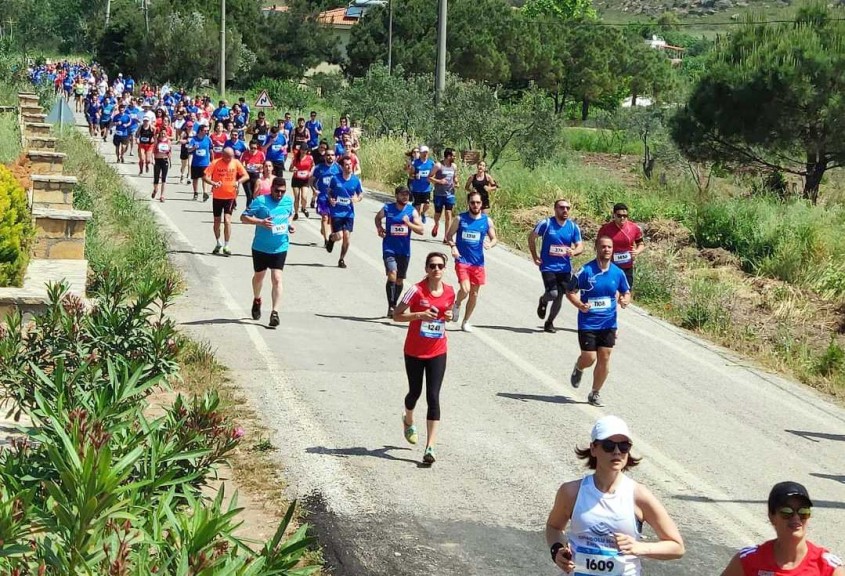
<point>223,49</point>
<point>390,37</point>
<point>146,15</point>
<point>440,73</point>
<point>108,12</point>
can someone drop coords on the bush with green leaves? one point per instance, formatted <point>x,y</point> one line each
<point>94,485</point>
<point>16,230</point>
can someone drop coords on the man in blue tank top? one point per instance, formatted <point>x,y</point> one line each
<point>419,170</point>
<point>469,235</point>
<point>394,223</point>
<point>561,241</point>
<point>602,284</point>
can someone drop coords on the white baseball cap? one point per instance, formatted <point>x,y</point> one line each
<point>423,149</point>
<point>608,426</point>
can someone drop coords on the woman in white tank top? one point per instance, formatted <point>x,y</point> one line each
<point>605,512</point>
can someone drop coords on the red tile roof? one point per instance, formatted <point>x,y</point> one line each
<point>336,18</point>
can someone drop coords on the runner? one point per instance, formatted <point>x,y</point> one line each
<point>146,144</point>
<point>162,164</point>
<point>445,180</point>
<point>265,180</point>
<point>427,305</point>
<point>106,113</point>
<point>602,285</point>
<point>253,159</point>
<point>136,114</point>
<point>301,166</point>
<point>224,175</point>
<point>344,191</point>
<point>260,129</point>
<point>218,141</point>
<point>790,553</point>
<point>318,155</point>
<point>185,135</point>
<point>288,126</point>
<point>561,241</point>
<point>605,512</point>
<point>342,129</point>
<point>236,144</point>
<point>627,240</point>
<point>482,183</point>
<point>419,171</point>
<point>271,216</point>
<point>200,148</point>
<point>275,149</point>
<point>321,180</point>
<point>301,134</point>
<point>122,122</point>
<point>394,223</point>
<point>92,114</point>
<point>79,94</point>
<point>469,235</point>
<point>315,130</point>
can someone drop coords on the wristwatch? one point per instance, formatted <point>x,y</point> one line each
<point>554,549</point>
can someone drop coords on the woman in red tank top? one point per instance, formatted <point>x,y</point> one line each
<point>302,166</point>
<point>427,305</point>
<point>790,553</point>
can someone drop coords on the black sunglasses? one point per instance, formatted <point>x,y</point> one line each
<point>787,513</point>
<point>563,207</point>
<point>609,446</point>
<point>434,266</point>
<point>621,215</point>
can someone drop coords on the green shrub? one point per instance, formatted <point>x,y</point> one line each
<point>598,140</point>
<point>831,361</point>
<point>655,280</point>
<point>383,160</point>
<point>706,308</point>
<point>16,230</point>
<point>10,142</point>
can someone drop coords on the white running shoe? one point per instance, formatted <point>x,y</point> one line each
<point>467,327</point>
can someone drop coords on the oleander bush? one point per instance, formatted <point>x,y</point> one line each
<point>16,230</point>
<point>95,485</point>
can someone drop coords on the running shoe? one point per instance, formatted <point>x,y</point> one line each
<point>205,196</point>
<point>549,327</point>
<point>456,312</point>
<point>410,432</point>
<point>161,199</point>
<point>541,308</point>
<point>274,319</point>
<point>595,399</point>
<point>296,216</point>
<point>329,245</point>
<point>341,264</point>
<point>390,311</point>
<point>428,457</point>
<point>435,230</point>
<point>423,218</point>
<point>226,251</point>
<point>467,327</point>
<point>256,308</point>
<point>196,197</point>
<point>153,195</point>
<point>575,377</point>
<point>313,203</point>
<point>305,211</point>
<point>216,249</point>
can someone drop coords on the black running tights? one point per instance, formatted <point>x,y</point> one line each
<point>434,369</point>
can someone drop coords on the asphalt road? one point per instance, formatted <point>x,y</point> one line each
<point>714,431</point>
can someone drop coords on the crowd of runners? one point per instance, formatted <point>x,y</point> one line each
<point>223,149</point>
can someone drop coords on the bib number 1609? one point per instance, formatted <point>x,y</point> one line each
<point>601,566</point>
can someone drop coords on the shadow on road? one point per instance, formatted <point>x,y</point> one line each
<point>834,477</point>
<point>539,398</point>
<point>382,453</point>
<point>375,320</point>
<point>196,253</point>
<point>244,321</point>
<point>708,500</point>
<point>817,436</point>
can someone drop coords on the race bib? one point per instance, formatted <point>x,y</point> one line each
<point>276,147</point>
<point>217,149</point>
<point>279,229</point>
<point>471,236</point>
<point>599,303</point>
<point>598,564</point>
<point>302,174</point>
<point>422,174</point>
<point>253,167</point>
<point>327,180</point>
<point>199,152</point>
<point>621,257</point>
<point>344,200</point>
<point>145,139</point>
<point>164,148</point>
<point>398,230</point>
<point>559,250</point>
<point>262,138</point>
<point>433,329</point>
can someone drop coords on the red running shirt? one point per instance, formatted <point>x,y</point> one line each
<point>427,338</point>
<point>302,167</point>
<point>760,561</point>
<point>624,240</point>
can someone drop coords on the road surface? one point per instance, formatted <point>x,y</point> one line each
<point>715,432</point>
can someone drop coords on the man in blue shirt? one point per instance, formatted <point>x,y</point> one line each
<point>394,223</point>
<point>321,180</point>
<point>469,235</point>
<point>275,150</point>
<point>200,149</point>
<point>419,170</point>
<point>596,290</point>
<point>122,125</point>
<point>344,191</point>
<point>271,214</point>
<point>129,84</point>
<point>236,144</point>
<point>221,113</point>
<point>561,241</point>
<point>245,110</point>
<point>315,130</point>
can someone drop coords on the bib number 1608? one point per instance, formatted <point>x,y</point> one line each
<point>600,565</point>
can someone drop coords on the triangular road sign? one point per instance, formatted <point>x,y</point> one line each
<point>263,100</point>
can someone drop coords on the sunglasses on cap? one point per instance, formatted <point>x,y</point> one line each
<point>609,445</point>
<point>435,266</point>
<point>787,512</point>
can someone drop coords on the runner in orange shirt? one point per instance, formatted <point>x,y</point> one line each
<point>224,175</point>
<point>627,240</point>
